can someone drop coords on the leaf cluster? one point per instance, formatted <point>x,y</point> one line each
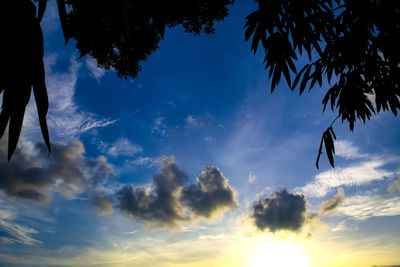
<point>119,34</point>
<point>22,69</point>
<point>352,43</point>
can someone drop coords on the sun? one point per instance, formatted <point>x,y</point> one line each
<point>278,254</point>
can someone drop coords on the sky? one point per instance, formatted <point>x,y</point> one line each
<point>194,163</point>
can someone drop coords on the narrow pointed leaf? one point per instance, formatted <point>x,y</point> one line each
<point>329,147</point>
<point>305,79</point>
<point>42,104</point>
<point>298,76</point>
<point>16,119</point>
<point>62,12</point>
<point>319,151</point>
<point>42,9</point>
<point>8,102</point>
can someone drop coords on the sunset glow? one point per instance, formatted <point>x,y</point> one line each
<point>194,163</point>
<point>279,254</point>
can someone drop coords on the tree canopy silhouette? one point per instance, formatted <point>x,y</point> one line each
<point>352,43</point>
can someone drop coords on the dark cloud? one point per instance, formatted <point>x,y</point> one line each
<point>159,206</point>
<point>331,204</point>
<point>282,211</point>
<point>32,174</point>
<point>167,202</point>
<point>210,194</point>
<point>103,204</point>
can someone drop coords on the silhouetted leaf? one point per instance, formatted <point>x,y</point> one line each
<point>298,76</point>
<point>305,79</point>
<point>42,104</point>
<point>42,9</point>
<point>319,152</point>
<point>8,102</point>
<point>62,12</point>
<point>329,146</point>
<point>17,117</point>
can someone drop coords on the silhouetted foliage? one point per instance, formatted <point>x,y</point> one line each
<point>119,34</point>
<point>352,43</point>
<point>355,40</point>
<point>122,33</point>
<point>21,69</point>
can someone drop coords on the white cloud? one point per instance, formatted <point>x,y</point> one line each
<point>252,177</point>
<point>362,207</point>
<point>394,187</point>
<point>147,162</point>
<point>123,147</point>
<point>348,150</point>
<point>96,72</point>
<point>340,227</point>
<point>13,232</point>
<point>191,121</point>
<point>159,126</point>
<point>354,175</point>
<point>65,119</point>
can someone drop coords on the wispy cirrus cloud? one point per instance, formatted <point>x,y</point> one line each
<point>348,150</point>
<point>365,169</point>
<point>11,232</point>
<point>95,71</point>
<point>362,207</point>
<point>147,162</point>
<point>252,177</point>
<point>354,175</point>
<point>159,126</point>
<point>65,119</point>
<point>121,147</point>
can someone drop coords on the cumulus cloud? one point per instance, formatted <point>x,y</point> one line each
<point>281,211</point>
<point>160,206</point>
<point>32,174</point>
<point>169,202</point>
<point>103,204</point>
<point>123,147</point>
<point>210,194</point>
<point>331,204</point>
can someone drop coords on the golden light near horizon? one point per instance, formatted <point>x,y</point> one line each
<point>278,254</point>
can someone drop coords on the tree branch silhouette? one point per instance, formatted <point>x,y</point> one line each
<point>352,43</point>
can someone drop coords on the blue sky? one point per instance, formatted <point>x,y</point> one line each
<point>199,120</point>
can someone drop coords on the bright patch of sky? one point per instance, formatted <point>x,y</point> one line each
<point>144,168</point>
